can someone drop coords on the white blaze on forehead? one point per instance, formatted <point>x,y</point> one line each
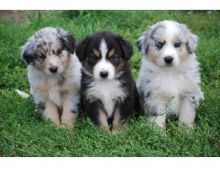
<point>171,29</point>
<point>103,64</point>
<point>103,48</point>
<point>170,33</point>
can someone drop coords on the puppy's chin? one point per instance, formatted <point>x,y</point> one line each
<point>103,80</point>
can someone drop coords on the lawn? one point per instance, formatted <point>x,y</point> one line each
<point>23,133</point>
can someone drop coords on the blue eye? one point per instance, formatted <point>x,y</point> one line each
<point>160,45</point>
<point>177,44</point>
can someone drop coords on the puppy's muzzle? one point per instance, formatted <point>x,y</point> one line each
<point>168,60</point>
<point>53,69</point>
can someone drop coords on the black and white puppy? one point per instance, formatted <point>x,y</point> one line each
<point>108,89</point>
<point>54,74</point>
<point>169,79</point>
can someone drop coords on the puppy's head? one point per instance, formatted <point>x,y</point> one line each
<point>167,43</point>
<point>49,50</point>
<point>104,54</point>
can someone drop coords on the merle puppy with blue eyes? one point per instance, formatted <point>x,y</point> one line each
<point>169,79</point>
<point>108,89</point>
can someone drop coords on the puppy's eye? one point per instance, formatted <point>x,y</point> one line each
<point>59,51</point>
<point>114,59</point>
<point>160,45</point>
<point>93,59</point>
<point>177,44</point>
<point>42,56</point>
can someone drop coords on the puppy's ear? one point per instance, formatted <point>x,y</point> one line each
<point>126,48</point>
<point>81,49</point>
<point>191,42</point>
<point>69,42</point>
<point>192,39</point>
<point>139,44</point>
<point>27,54</point>
<point>142,42</point>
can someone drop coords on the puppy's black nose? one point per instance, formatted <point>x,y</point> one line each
<point>104,74</point>
<point>168,59</point>
<point>53,69</point>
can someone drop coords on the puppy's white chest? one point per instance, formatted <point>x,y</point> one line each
<point>108,92</point>
<point>171,84</point>
<point>169,87</point>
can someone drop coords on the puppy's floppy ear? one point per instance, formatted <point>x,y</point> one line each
<point>139,44</point>
<point>69,42</point>
<point>81,48</point>
<point>27,53</point>
<point>192,39</point>
<point>126,48</point>
<point>142,42</point>
<point>191,42</point>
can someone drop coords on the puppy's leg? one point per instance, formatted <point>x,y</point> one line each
<point>103,120</point>
<point>116,122</point>
<point>70,111</point>
<point>95,111</point>
<point>122,112</point>
<point>51,112</point>
<point>160,115</point>
<point>160,120</point>
<point>187,112</point>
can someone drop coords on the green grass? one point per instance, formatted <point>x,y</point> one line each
<point>23,133</point>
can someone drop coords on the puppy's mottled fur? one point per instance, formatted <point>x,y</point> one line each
<point>169,78</point>
<point>108,88</point>
<point>54,74</point>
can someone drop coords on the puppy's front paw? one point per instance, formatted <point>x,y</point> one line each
<point>69,119</point>
<point>55,119</point>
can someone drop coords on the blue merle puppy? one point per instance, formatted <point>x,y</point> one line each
<point>54,74</point>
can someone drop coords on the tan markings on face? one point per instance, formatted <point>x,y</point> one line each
<point>175,39</point>
<point>40,66</point>
<point>65,59</point>
<point>182,50</point>
<point>159,39</point>
<point>96,52</point>
<point>183,54</point>
<point>55,47</point>
<point>154,55</point>
<point>111,52</point>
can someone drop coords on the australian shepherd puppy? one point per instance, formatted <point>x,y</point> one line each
<point>169,79</point>
<point>54,74</point>
<point>108,89</point>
